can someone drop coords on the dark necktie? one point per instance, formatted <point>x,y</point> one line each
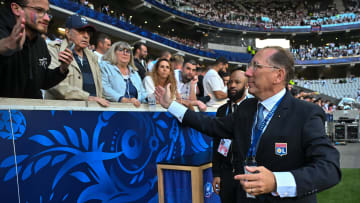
<point>235,107</point>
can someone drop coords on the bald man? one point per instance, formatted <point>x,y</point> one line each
<point>223,179</point>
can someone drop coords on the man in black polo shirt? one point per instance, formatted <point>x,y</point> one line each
<point>84,78</point>
<point>24,57</point>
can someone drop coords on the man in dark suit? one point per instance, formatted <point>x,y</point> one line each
<point>284,136</point>
<point>140,54</point>
<point>223,180</point>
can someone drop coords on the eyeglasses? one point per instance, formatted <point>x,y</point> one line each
<point>256,66</point>
<point>124,50</point>
<point>40,11</point>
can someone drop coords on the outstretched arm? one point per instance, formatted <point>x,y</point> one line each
<point>213,127</point>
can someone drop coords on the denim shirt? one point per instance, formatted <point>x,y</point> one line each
<point>114,85</point>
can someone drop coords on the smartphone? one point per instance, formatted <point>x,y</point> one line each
<point>71,46</point>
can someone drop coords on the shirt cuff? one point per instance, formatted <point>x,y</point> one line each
<point>285,185</point>
<point>177,110</point>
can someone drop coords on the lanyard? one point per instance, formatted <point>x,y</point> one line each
<point>228,109</point>
<point>257,133</point>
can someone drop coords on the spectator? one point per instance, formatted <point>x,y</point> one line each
<point>186,79</point>
<point>214,85</point>
<point>161,75</point>
<point>225,76</point>
<point>84,80</point>
<point>140,54</point>
<point>103,43</point>
<point>24,57</point>
<point>105,9</point>
<point>201,71</point>
<point>177,62</point>
<point>120,78</point>
<point>164,55</point>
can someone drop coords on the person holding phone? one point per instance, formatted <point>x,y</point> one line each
<point>24,57</point>
<point>84,78</point>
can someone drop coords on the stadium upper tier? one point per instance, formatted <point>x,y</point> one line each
<point>133,33</point>
<point>237,17</point>
<point>338,88</point>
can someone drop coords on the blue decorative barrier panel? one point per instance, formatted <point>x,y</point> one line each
<point>88,156</point>
<point>177,186</point>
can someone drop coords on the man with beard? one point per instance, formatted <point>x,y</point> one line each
<point>223,180</point>
<point>186,79</point>
<point>140,53</point>
<point>24,57</point>
<point>84,80</point>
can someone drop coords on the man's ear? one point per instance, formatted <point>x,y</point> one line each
<point>280,75</point>
<point>67,33</point>
<point>16,9</point>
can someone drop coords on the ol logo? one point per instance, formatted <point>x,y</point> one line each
<point>281,149</point>
<point>207,190</point>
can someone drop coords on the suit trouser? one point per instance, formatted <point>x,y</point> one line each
<point>227,186</point>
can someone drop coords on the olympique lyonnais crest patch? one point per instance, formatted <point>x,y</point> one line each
<point>281,149</point>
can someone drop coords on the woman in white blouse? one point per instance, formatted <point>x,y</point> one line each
<point>161,75</point>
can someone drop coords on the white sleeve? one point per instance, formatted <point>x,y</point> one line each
<point>285,184</point>
<point>216,84</point>
<point>149,85</point>
<point>177,110</point>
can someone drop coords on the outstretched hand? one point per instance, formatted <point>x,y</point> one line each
<point>163,95</point>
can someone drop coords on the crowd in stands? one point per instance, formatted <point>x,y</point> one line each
<point>111,71</point>
<point>266,14</point>
<point>304,52</point>
<point>105,8</point>
<point>330,50</point>
<point>313,97</point>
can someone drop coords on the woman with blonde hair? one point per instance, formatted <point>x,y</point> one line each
<point>161,75</point>
<point>120,79</point>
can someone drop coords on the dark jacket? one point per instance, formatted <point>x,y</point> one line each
<point>220,162</point>
<point>141,68</point>
<point>25,72</point>
<point>311,158</point>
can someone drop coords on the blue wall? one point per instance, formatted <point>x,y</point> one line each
<point>76,156</point>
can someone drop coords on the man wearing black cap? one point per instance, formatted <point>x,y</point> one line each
<point>84,79</point>
<point>24,57</point>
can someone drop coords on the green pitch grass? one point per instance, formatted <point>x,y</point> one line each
<point>347,191</point>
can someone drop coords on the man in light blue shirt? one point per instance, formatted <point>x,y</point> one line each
<point>281,151</point>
